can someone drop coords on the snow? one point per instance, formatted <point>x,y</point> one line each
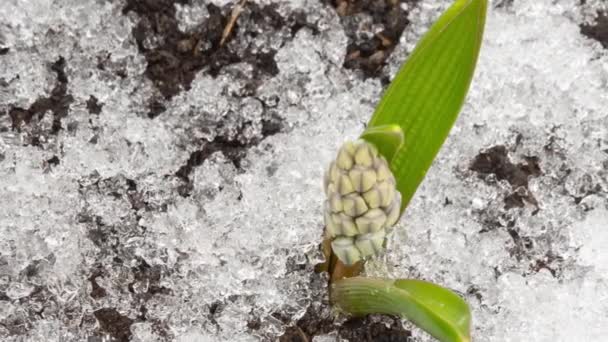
<point>232,260</point>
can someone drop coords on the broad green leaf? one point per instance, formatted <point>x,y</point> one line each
<point>388,139</point>
<point>428,92</point>
<point>436,310</point>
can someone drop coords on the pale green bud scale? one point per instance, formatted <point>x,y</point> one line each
<point>354,205</point>
<point>370,244</point>
<point>382,171</point>
<point>387,193</point>
<point>372,197</point>
<point>347,224</point>
<point>334,173</point>
<point>362,178</point>
<point>330,226</point>
<point>345,250</point>
<point>392,215</point>
<point>364,156</point>
<point>345,159</point>
<point>345,185</point>
<point>335,203</point>
<point>371,221</point>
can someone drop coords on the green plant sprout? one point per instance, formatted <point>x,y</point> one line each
<point>404,135</point>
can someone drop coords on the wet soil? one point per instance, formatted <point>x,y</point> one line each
<point>373,28</point>
<point>58,104</point>
<point>372,328</point>
<point>138,280</point>
<point>496,161</point>
<point>175,57</point>
<point>598,30</point>
<point>94,106</point>
<point>115,324</point>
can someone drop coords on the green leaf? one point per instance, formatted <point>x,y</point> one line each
<point>388,139</point>
<point>436,310</point>
<point>428,92</point>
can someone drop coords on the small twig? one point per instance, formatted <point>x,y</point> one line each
<point>236,11</point>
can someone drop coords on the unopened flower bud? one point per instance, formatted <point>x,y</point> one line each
<point>362,202</point>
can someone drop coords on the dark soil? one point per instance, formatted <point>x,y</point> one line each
<point>151,277</point>
<point>598,30</point>
<point>233,148</point>
<point>97,292</point>
<point>368,51</point>
<point>536,250</point>
<point>524,248</point>
<point>503,3</point>
<point>178,56</point>
<point>113,323</point>
<point>58,103</point>
<point>550,262</point>
<point>38,304</point>
<point>94,106</point>
<point>496,161</point>
<point>141,281</point>
<point>176,60</point>
<point>366,329</point>
<point>53,161</point>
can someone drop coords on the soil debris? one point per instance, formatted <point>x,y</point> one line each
<point>58,103</point>
<point>233,148</point>
<point>598,30</point>
<point>373,28</point>
<point>94,106</point>
<point>114,324</point>
<point>224,38</point>
<point>496,161</point>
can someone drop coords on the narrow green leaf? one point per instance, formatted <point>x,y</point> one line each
<point>388,139</point>
<point>436,310</point>
<point>428,92</point>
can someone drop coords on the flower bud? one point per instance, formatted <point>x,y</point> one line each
<point>362,203</point>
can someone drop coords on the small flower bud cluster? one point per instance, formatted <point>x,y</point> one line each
<point>362,202</point>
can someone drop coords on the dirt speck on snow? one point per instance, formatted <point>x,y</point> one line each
<point>598,30</point>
